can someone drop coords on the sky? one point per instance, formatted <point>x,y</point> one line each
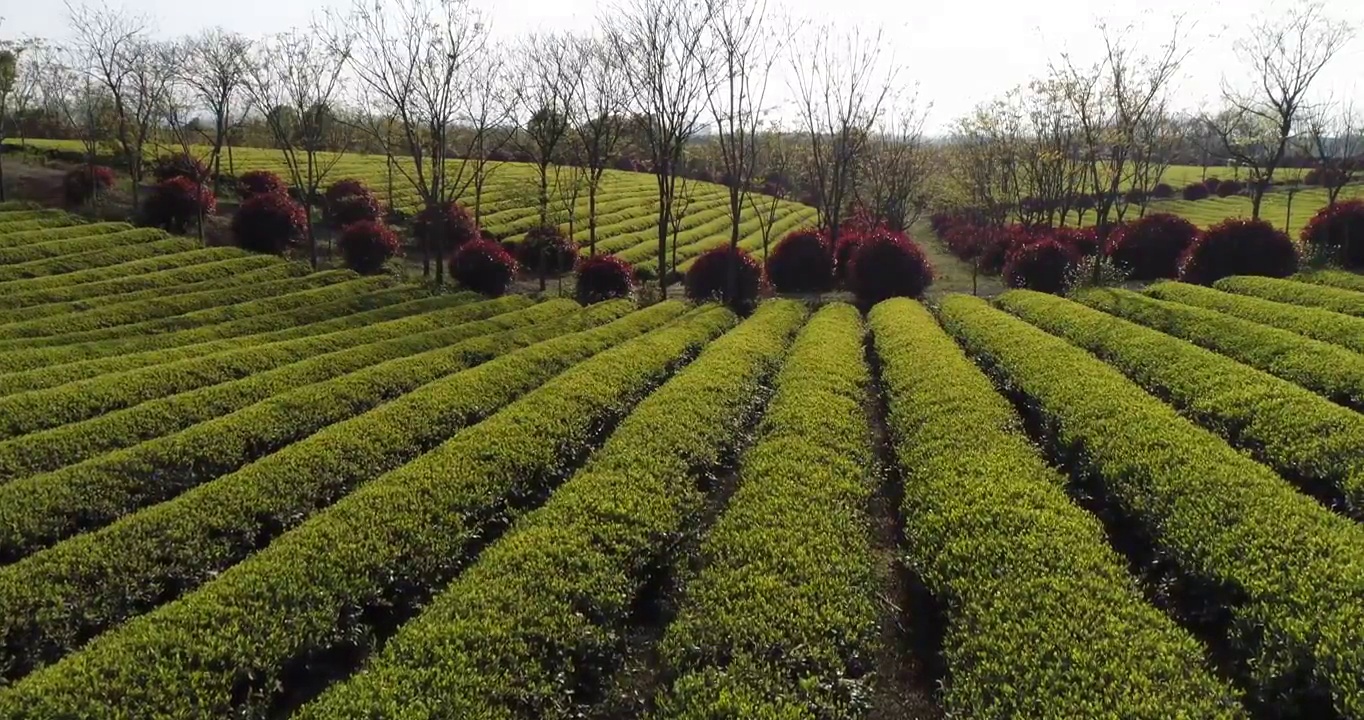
<point>959,52</point>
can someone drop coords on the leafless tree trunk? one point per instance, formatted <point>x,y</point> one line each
<point>215,68</point>
<point>490,109</point>
<point>1285,55</point>
<point>843,86</point>
<point>745,51</point>
<point>774,153</point>
<point>662,45</point>
<point>597,104</point>
<point>294,78</point>
<point>178,113</point>
<point>896,171</point>
<point>117,55</point>
<point>1335,140</point>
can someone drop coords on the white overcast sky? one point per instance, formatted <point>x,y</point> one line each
<point>959,52</point>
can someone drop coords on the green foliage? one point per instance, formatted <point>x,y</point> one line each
<point>231,380</point>
<point>200,265</point>
<point>29,252</point>
<point>1315,323</point>
<point>14,239</point>
<point>988,525</point>
<point>1296,293</point>
<point>1334,278</point>
<point>1321,367</point>
<point>154,244</point>
<point>123,320</point>
<point>784,610</point>
<point>1288,573</point>
<point>556,591</point>
<point>96,580</point>
<point>401,534</point>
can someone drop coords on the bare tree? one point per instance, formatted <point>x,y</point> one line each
<point>10,88</point>
<point>1335,140</point>
<point>293,79</point>
<point>215,67</point>
<point>545,86</point>
<point>1285,55</point>
<point>1153,153</point>
<point>896,167</point>
<point>744,53</point>
<point>413,63</point>
<point>178,107</point>
<point>72,96</point>
<point>597,106</point>
<point>985,152</point>
<point>843,87</point>
<point>662,45</point>
<point>488,117</point>
<point>116,54</point>
<point>774,154</point>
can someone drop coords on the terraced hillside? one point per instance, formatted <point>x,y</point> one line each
<point>233,488</point>
<point>627,206</point>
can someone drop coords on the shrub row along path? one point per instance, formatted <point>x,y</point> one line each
<point>231,487</point>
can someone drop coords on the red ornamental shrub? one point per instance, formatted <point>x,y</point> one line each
<point>1227,188</point>
<point>844,250</point>
<point>886,265</point>
<point>257,182</point>
<point>459,227</point>
<point>267,223</point>
<point>1195,191</point>
<point>484,267</point>
<point>367,245</point>
<point>353,209</point>
<point>545,247</point>
<point>176,204</point>
<point>343,189</point>
<point>1313,177</point>
<point>1084,241</point>
<point>801,262</point>
<point>1211,183</point>
<point>1134,196</point>
<point>604,277</point>
<point>178,165</point>
<point>83,183</point>
<point>1044,266</point>
<point>1238,247</point>
<point>1162,191</point>
<point>709,275</point>
<point>1339,230</point>
<point>1150,247</point>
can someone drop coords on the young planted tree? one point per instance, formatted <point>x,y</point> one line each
<point>9,83</point>
<point>293,79</point>
<point>896,171</point>
<point>775,157</point>
<point>744,52</point>
<point>663,48</point>
<point>1335,141</point>
<point>545,85</point>
<point>1156,138</point>
<point>178,107</point>
<point>843,86</point>
<point>1260,120</point>
<point>598,101</point>
<point>72,96</point>
<point>214,68</point>
<point>115,52</point>
<point>488,122</point>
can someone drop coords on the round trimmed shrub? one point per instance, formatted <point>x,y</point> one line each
<point>1313,177</point>
<point>1084,241</point>
<point>1339,231</point>
<point>1211,183</point>
<point>887,265</point>
<point>708,276</point>
<point>366,245</point>
<point>352,209</point>
<point>459,227</point>
<point>84,183</point>
<point>179,165</point>
<point>484,267</point>
<point>801,262</point>
<point>844,250</point>
<point>1134,196</point>
<point>1044,266</point>
<point>1238,247</point>
<point>1150,247</point>
<point>258,182</point>
<point>1162,191</point>
<point>343,189</point>
<point>1195,191</point>
<point>546,245</point>
<point>267,223</point>
<point>604,277</point>
<point>176,204</point>
<point>1227,188</point>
